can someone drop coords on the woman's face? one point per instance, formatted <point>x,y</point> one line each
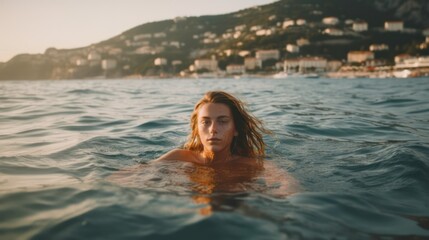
<point>216,127</point>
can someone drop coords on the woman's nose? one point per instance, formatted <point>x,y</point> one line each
<point>213,128</point>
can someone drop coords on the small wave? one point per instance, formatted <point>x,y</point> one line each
<point>156,124</point>
<point>395,102</point>
<point>358,213</point>
<point>87,91</point>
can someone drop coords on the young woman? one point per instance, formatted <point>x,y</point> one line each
<point>224,153</point>
<point>222,131</point>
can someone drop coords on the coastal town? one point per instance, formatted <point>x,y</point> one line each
<point>275,47</point>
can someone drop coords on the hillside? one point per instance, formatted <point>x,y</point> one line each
<point>230,38</point>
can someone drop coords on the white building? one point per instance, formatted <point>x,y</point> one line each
<point>302,42</point>
<point>400,58</point>
<point>305,65</point>
<point>176,62</point>
<point>159,35</point>
<point>81,62</point>
<point>108,64</point>
<point>288,23</point>
<point>330,20</point>
<point>147,50</point>
<point>264,32</point>
<point>255,28</point>
<point>160,62</point>
<point>333,32</point>
<point>244,53</point>
<point>413,62</point>
<point>292,48</point>
<point>272,17</point>
<point>394,26</point>
<point>301,22</point>
<point>175,44</point>
<point>209,64</point>
<point>94,56</point>
<point>240,27</point>
<point>136,44</point>
<point>144,36</point>
<point>312,64</point>
<point>267,54</point>
<point>235,69</point>
<point>378,47</point>
<point>359,56</point>
<point>334,65</point>
<point>251,63</point>
<point>360,26</point>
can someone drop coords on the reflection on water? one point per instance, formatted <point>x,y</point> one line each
<point>211,186</point>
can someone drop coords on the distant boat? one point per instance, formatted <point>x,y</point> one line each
<point>402,74</point>
<point>280,75</point>
<point>311,75</point>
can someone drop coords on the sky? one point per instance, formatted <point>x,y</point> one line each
<point>32,26</point>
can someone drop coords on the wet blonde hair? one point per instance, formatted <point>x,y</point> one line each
<point>248,143</point>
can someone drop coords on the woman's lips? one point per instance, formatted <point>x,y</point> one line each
<point>213,140</point>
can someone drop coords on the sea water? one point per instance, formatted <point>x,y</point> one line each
<point>359,149</point>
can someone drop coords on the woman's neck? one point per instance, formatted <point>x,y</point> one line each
<point>210,157</point>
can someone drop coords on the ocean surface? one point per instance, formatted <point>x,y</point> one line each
<point>76,161</point>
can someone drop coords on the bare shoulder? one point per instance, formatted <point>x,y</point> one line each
<point>178,154</point>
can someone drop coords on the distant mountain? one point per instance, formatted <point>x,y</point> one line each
<point>176,43</point>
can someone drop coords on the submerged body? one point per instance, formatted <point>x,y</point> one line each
<point>226,150</point>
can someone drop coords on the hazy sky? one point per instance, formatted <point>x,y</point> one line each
<point>31,26</point>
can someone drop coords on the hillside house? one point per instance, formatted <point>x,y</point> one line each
<point>334,65</point>
<point>255,28</point>
<point>413,62</point>
<point>208,64</point>
<point>302,42</point>
<point>360,26</point>
<point>267,54</point>
<point>394,26</point>
<point>159,35</point>
<point>136,43</point>
<point>333,32</point>
<point>305,65</point>
<point>144,36</point>
<point>301,22</point>
<point>81,62</point>
<point>400,58</point>
<point>264,32</point>
<point>243,53</point>
<point>292,48</point>
<point>288,23</point>
<point>251,63</point>
<point>94,56</point>
<point>160,61</point>
<point>109,64</point>
<point>240,27</point>
<point>330,21</point>
<point>359,56</point>
<point>235,69</point>
<point>378,47</point>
